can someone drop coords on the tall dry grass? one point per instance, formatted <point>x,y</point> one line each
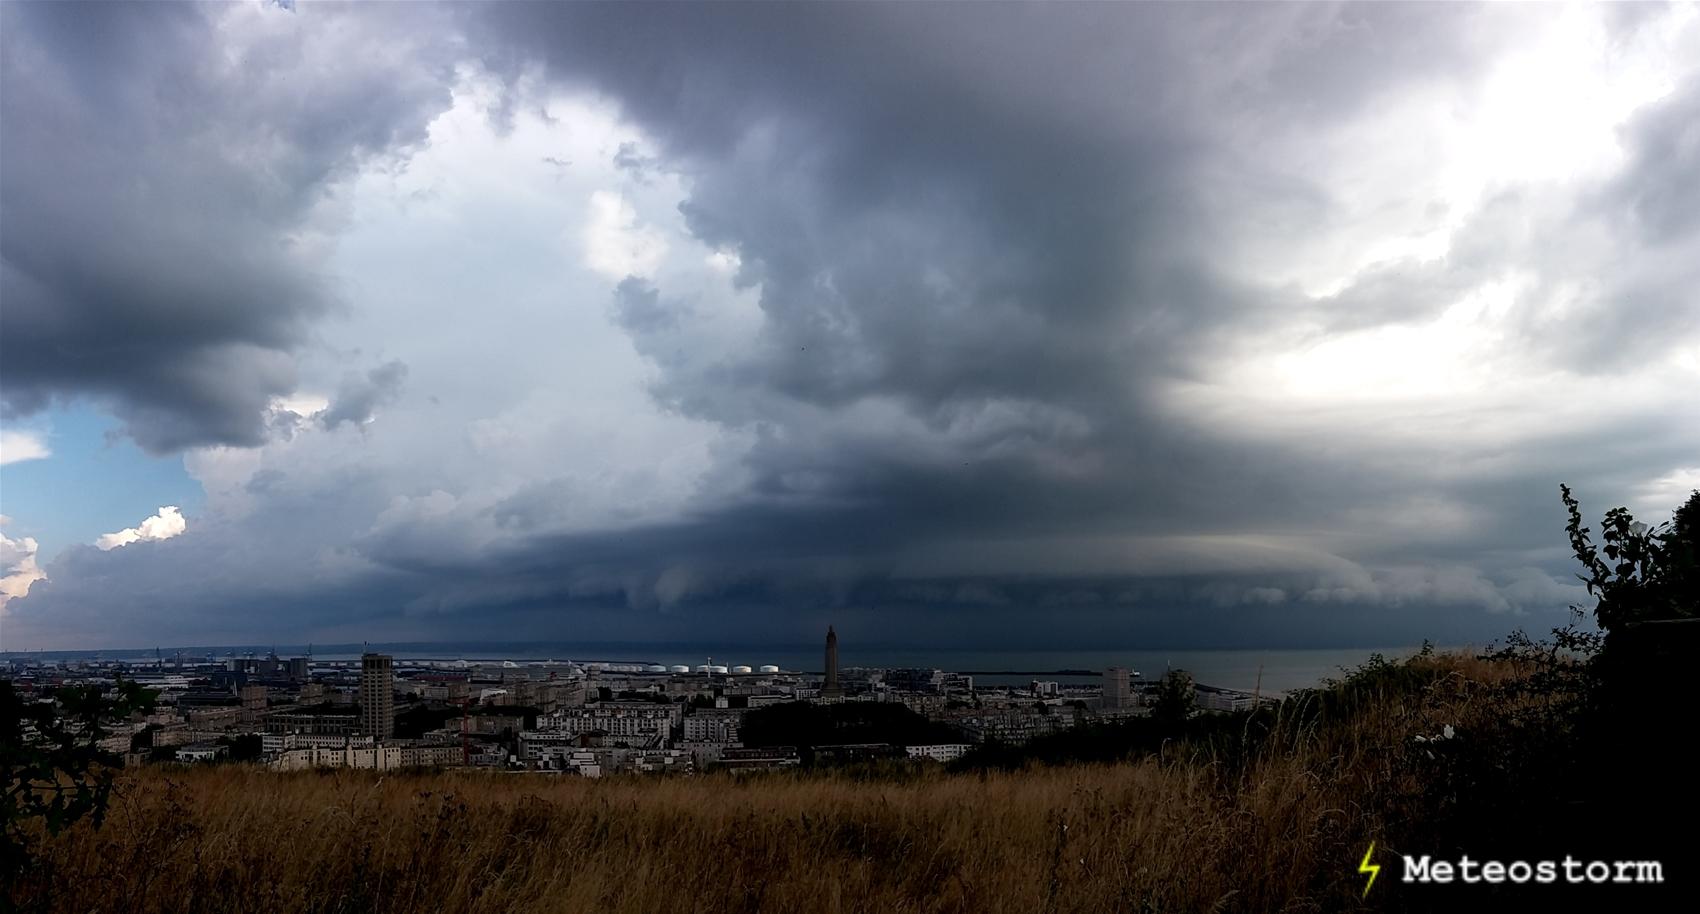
<point>1280,830</point>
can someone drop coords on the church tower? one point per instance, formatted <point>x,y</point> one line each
<point>830,688</point>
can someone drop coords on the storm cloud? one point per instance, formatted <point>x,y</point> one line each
<point>163,177</point>
<point>1150,323</point>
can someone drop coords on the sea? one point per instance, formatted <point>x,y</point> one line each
<point>1269,672</point>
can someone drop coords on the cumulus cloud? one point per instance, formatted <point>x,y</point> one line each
<point>169,522</point>
<point>18,567</point>
<point>18,446</point>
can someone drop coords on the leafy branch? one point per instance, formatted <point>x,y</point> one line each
<point>53,768</point>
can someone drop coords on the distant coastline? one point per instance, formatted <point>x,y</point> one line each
<point>1269,671</point>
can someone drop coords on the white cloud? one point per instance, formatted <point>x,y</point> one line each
<point>616,244</point>
<point>16,447</point>
<point>301,404</point>
<point>18,568</point>
<point>166,524</point>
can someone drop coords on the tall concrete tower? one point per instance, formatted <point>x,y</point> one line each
<point>830,689</point>
<point>377,696</point>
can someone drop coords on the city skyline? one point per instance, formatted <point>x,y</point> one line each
<point>1199,326</point>
<point>588,719</point>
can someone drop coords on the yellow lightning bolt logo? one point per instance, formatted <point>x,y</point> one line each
<point>1371,868</point>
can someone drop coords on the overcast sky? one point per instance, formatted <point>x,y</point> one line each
<point>1006,326</point>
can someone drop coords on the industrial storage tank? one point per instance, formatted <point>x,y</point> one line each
<point>717,668</point>
<point>681,668</point>
<point>769,668</point>
<point>656,668</point>
<point>741,669</point>
<point>703,668</point>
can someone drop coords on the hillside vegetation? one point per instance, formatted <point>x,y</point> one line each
<point>1273,819</point>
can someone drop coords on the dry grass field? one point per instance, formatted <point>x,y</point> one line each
<point>1280,829</point>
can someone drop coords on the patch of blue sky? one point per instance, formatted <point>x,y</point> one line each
<point>95,481</point>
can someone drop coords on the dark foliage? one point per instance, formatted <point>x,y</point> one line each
<point>807,725</point>
<point>527,714</point>
<point>245,747</point>
<point>55,772</point>
<point>1175,697</point>
<point>414,722</point>
<point>1591,761</point>
<point>1640,573</point>
<point>1095,742</point>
